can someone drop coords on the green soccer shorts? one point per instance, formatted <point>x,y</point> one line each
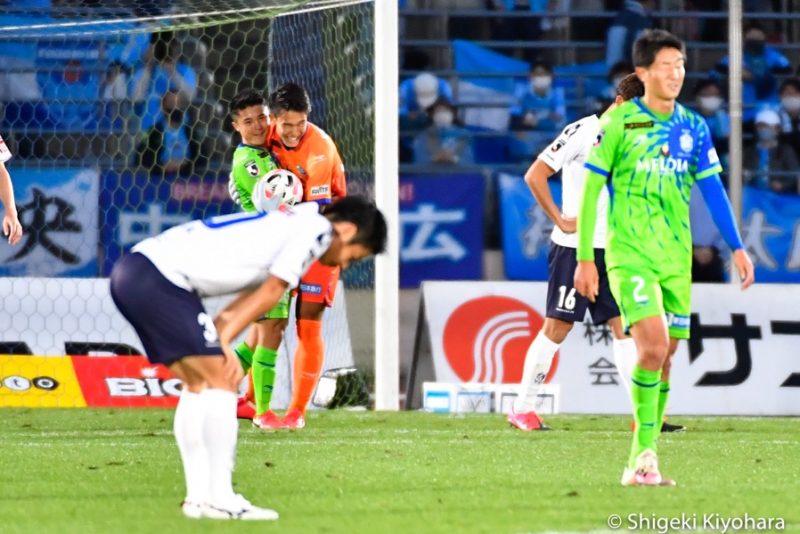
<point>281,309</point>
<point>640,293</point>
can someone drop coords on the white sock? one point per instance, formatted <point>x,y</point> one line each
<point>188,428</point>
<point>625,358</point>
<point>537,363</point>
<point>219,434</point>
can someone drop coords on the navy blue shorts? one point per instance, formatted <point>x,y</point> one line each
<point>170,321</point>
<point>563,301</point>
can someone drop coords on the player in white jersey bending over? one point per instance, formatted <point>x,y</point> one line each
<point>564,305</point>
<point>158,288</point>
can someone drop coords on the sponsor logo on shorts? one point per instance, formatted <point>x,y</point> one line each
<point>319,190</point>
<point>314,289</point>
<point>679,321</point>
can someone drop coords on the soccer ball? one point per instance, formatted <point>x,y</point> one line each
<point>275,189</point>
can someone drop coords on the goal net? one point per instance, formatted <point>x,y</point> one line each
<point>117,116</point>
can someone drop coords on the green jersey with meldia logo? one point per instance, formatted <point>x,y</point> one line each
<point>649,162</point>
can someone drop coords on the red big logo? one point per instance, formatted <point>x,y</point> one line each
<point>485,339</point>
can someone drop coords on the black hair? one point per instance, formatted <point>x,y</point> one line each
<point>366,216</point>
<point>650,43</point>
<point>289,97</point>
<point>630,86</point>
<point>245,99</point>
<point>543,64</point>
<point>620,67</point>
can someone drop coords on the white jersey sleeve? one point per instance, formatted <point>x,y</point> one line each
<point>568,143</point>
<point>230,253</point>
<point>5,153</point>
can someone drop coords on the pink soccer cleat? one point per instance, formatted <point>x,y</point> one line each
<point>646,472</point>
<point>526,421</point>
<point>268,421</point>
<point>245,408</point>
<point>294,420</point>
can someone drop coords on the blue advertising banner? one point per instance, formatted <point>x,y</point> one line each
<point>525,228</point>
<point>770,231</point>
<point>136,206</point>
<point>771,234</point>
<point>58,212</point>
<point>441,228</point>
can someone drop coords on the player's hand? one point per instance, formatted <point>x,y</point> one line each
<point>568,225</point>
<point>233,191</point>
<point>744,266</point>
<point>587,281</point>
<point>12,229</point>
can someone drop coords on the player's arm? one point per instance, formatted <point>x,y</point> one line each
<point>248,307</point>
<point>598,170</point>
<point>338,178</point>
<point>720,207</point>
<point>11,225</point>
<point>710,185</point>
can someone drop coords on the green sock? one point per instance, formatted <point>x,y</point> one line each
<point>663,395</point>
<point>644,389</point>
<point>245,354</point>
<point>263,377</point>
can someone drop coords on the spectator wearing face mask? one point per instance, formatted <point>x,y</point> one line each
<point>540,106</point>
<point>444,141</point>
<point>761,63</point>
<point>169,146</point>
<point>417,95</point>
<point>710,103</point>
<point>771,163</point>
<point>789,112</point>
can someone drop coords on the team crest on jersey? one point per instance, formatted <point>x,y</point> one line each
<point>665,150</point>
<point>599,138</point>
<point>558,145</point>
<point>686,141</point>
<point>252,167</point>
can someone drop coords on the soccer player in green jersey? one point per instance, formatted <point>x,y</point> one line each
<point>251,161</point>
<point>649,152</point>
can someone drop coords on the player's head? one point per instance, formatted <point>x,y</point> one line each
<point>249,117</point>
<point>289,106</point>
<point>659,60</point>
<point>629,87</point>
<point>360,231</point>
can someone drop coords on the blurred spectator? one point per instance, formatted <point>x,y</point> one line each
<point>790,113</point>
<point>71,96</point>
<point>168,147</point>
<point>113,96</point>
<point>417,95</point>
<point>540,106</point>
<point>771,163</point>
<point>760,64</point>
<point>162,72</point>
<point>444,141</point>
<point>708,264</point>
<point>710,103</point>
<point>625,28</point>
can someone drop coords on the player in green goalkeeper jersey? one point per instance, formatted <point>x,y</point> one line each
<point>649,152</point>
<point>251,161</point>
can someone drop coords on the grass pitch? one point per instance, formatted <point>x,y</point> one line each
<point>118,471</point>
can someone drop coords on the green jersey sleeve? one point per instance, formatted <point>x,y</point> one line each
<point>249,164</point>
<point>599,164</point>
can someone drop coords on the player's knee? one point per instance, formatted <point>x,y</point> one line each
<point>653,354</point>
<point>556,330</point>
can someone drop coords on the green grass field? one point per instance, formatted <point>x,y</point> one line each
<point>118,471</point>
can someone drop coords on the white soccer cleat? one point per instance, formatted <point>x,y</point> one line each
<point>238,508</point>
<point>192,510</point>
<point>645,472</point>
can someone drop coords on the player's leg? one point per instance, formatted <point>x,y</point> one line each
<point>317,292</point>
<point>245,408</point>
<point>264,361</point>
<point>677,291</point>
<point>564,306</point>
<point>638,294</point>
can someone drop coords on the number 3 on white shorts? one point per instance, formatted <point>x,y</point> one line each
<point>637,291</point>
